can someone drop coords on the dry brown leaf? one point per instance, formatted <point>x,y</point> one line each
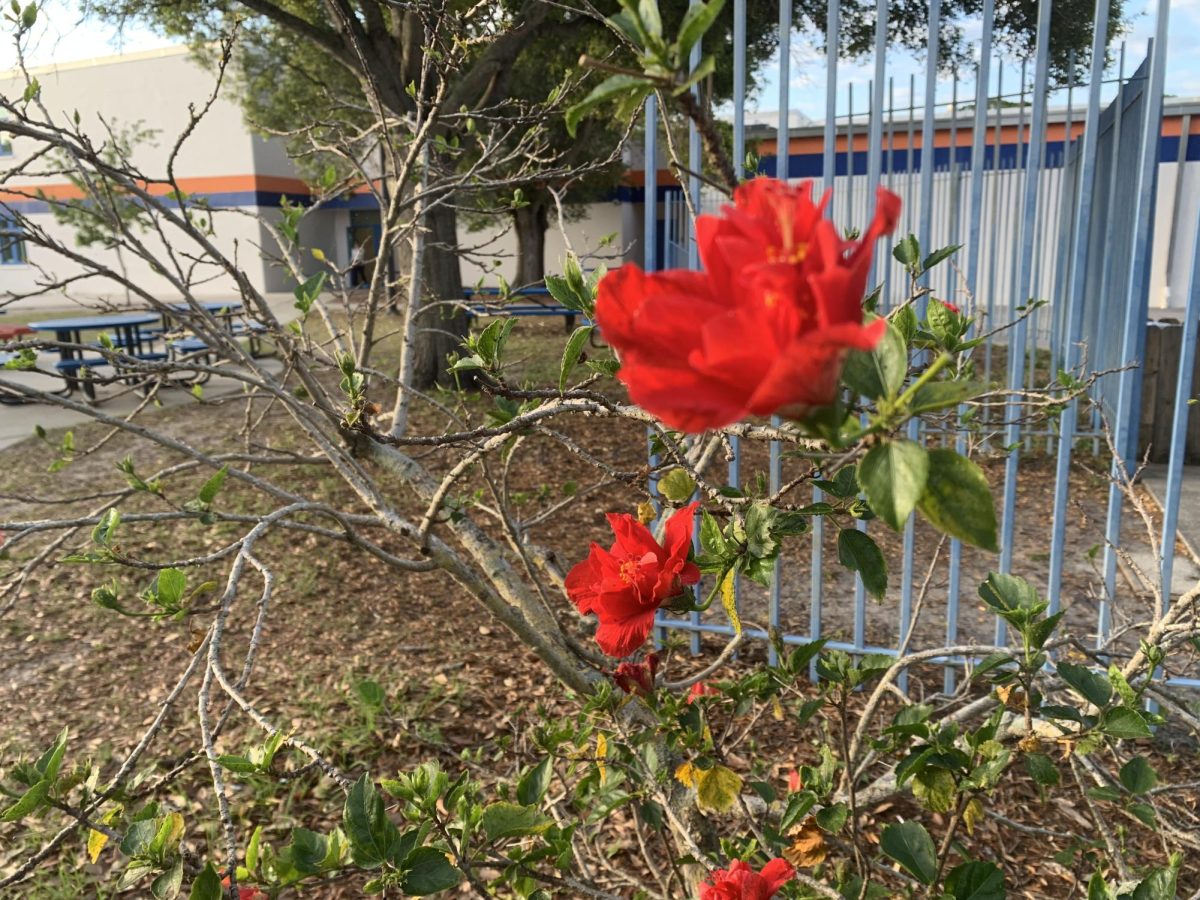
<point>808,846</point>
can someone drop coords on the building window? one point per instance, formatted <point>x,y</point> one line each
<point>5,147</point>
<point>12,242</point>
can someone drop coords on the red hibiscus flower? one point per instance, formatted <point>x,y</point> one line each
<point>245,893</point>
<point>794,782</point>
<point>763,329</point>
<point>740,882</point>
<point>700,689</point>
<point>950,306</point>
<point>637,678</point>
<point>624,585</point>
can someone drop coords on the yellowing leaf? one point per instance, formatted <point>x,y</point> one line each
<point>729,601</point>
<point>972,814</point>
<point>646,513</point>
<point>601,755</point>
<point>686,775</point>
<point>96,842</point>
<point>808,847</point>
<point>717,789</point>
<point>776,709</point>
<point>318,254</point>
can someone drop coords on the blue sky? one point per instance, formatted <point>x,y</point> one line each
<point>64,35</point>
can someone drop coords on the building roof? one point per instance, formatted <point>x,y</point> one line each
<point>111,59</point>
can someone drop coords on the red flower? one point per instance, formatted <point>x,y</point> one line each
<point>624,585</point>
<point>950,306</point>
<point>700,689</point>
<point>637,678</point>
<point>740,882</point>
<point>763,329</point>
<point>794,781</point>
<point>245,893</point>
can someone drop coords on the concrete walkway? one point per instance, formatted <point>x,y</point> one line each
<point>1154,478</point>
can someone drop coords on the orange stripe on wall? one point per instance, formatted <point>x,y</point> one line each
<point>215,184</point>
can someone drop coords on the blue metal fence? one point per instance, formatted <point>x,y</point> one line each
<point>1066,218</point>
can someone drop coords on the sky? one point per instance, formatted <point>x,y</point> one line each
<point>63,34</point>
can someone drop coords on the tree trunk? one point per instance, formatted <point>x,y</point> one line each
<point>441,327</point>
<point>530,223</point>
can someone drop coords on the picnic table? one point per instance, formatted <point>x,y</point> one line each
<point>126,335</point>
<point>534,307</point>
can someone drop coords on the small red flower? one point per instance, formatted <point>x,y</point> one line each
<point>624,585</point>
<point>794,782</point>
<point>245,893</point>
<point>700,689</point>
<point>740,882</point>
<point>637,678</point>
<point>950,306</point>
<point>763,329</point>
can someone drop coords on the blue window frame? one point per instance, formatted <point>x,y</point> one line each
<point>12,242</point>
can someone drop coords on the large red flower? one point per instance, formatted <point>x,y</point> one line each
<point>740,882</point>
<point>763,329</point>
<point>624,585</point>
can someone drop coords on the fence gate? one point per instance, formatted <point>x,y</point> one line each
<point>1053,203</point>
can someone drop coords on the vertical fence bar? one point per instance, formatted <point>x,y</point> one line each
<point>997,182</point>
<point>925,231</point>
<point>1125,430</point>
<point>739,155</point>
<point>1057,328</point>
<point>650,262</point>
<point>1073,314</point>
<point>978,146</point>
<point>695,164</point>
<point>885,296</point>
<point>1020,292</point>
<point>1106,268</point>
<point>828,171</point>
<point>782,154</point>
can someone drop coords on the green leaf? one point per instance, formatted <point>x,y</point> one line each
<point>976,881</point>
<point>370,693</point>
<point>1138,776</point>
<point>651,20</point>
<point>1091,685</point>
<point>624,87</point>
<point>533,784</point>
<point>50,761</point>
<point>893,476</point>
<point>938,256</point>
<point>696,21</point>
<point>373,837</point>
<point>1124,723</point>
<point>907,251</point>
<point>170,586</point>
<point>27,802</point>
<point>505,820</point>
<point>238,764</point>
<point>957,501</point>
<point>858,552</point>
<point>677,485</point>
<point>909,844</point>
<point>1159,885</point>
<point>167,885</point>
<point>1042,769</point>
<point>1097,888</point>
<point>833,817</point>
<point>934,787</point>
<point>880,372</point>
<point>944,394</point>
<point>428,872</point>
<point>308,850</point>
<point>138,837</point>
<point>207,885</point>
<point>208,493</point>
<point>307,293</point>
<point>571,354</point>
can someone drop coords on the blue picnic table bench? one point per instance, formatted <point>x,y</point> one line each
<point>532,301</point>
